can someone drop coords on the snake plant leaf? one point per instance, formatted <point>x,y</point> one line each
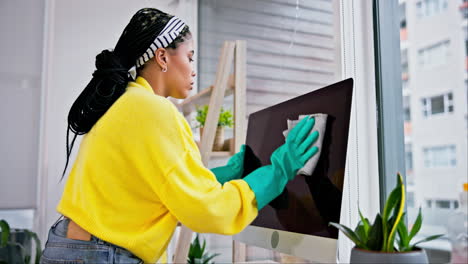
<point>403,242</point>
<point>391,203</point>
<point>349,233</point>
<point>375,234</point>
<point>361,234</point>
<point>417,226</point>
<point>401,209</point>
<point>427,239</point>
<point>365,222</point>
<point>5,229</point>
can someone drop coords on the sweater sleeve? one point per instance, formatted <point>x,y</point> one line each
<point>188,189</point>
<point>194,196</point>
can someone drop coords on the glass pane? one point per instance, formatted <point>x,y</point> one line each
<point>18,218</point>
<point>443,204</point>
<point>291,50</point>
<point>437,63</point>
<point>437,105</point>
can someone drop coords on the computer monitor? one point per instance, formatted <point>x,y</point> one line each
<point>298,223</point>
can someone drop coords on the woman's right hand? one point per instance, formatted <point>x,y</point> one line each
<point>296,151</point>
<point>269,181</point>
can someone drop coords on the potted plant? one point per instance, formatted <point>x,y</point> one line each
<point>225,120</point>
<point>16,246</point>
<point>197,254</point>
<point>387,239</point>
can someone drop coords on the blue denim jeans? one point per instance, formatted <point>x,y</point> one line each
<point>60,250</point>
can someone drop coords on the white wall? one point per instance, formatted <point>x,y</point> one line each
<point>76,31</point>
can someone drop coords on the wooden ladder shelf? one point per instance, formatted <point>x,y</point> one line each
<point>232,51</point>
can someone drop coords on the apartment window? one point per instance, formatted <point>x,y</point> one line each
<point>437,104</point>
<point>429,203</point>
<point>427,8</point>
<point>445,204</point>
<point>409,157</point>
<point>404,65</point>
<point>440,156</point>
<point>409,164</point>
<point>466,44</point>
<point>464,9</point>
<point>406,109</point>
<point>402,12</point>
<point>434,55</point>
<point>441,203</point>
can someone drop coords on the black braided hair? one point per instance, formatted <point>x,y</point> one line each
<point>112,75</point>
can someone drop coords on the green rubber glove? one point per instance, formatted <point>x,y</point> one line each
<point>233,169</point>
<point>269,181</point>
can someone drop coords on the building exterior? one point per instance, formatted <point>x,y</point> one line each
<point>434,60</point>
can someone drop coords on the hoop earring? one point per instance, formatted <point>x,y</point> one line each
<point>164,70</point>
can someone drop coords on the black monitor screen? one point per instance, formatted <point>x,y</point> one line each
<point>309,203</point>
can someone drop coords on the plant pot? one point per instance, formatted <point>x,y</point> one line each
<point>218,140</point>
<point>16,253</point>
<point>366,256</point>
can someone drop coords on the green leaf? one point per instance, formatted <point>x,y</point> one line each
<point>403,241</point>
<point>427,239</point>
<point>365,222</point>
<point>361,234</point>
<point>392,201</point>
<point>5,229</point>
<point>225,117</point>
<point>375,234</point>
<point>207,258</point>
<point>349,233</point>
<point>400,210</point>
<point>203,247</point>
<point>417,226</point>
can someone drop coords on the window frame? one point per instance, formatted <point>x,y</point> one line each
<point>448,107</point>
<point>391,145</point>
<point>430,156</point>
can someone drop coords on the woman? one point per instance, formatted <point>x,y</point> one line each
<point>138,170</point>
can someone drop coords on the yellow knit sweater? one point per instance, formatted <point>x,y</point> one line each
<point>139,171</point>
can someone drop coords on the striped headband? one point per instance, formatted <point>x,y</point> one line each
<point>164,39</point>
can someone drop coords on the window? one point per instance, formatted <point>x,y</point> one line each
<point>404,65</point>
<point>406,109</point>
<point>290,44</point>
<point>429,203</point>
<point>427,8</point>
<point>402,11</point>
<point>434,151</point>
<point>440,203</point>
<point>440,156</point>
<point>434,55</point>
<point>409,163</point>
<point>464,9</point>
<point>437,105</point>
